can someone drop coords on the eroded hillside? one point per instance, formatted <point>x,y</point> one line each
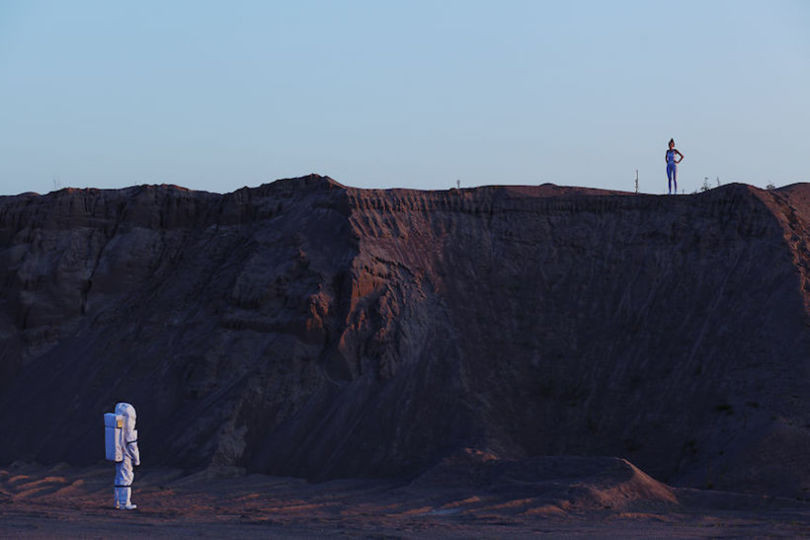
<point>305,328</point>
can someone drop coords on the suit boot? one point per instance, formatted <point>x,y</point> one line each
<point>127,503</point>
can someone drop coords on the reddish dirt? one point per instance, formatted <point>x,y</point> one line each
<point>565,498</point>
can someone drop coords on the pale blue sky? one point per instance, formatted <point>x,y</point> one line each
<point>219,95</point>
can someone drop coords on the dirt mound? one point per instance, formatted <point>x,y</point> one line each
<point>557,484</point>
<point>305,328</point>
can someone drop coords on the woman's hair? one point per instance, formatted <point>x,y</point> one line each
<point>671,141</point>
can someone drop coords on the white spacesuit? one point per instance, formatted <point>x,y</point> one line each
<point>121,441</point>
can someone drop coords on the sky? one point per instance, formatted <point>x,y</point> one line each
<point>415,94</point>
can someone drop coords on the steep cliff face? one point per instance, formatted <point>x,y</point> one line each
<point>310,329</point>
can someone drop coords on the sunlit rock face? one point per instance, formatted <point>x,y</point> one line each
<point>306,328</point>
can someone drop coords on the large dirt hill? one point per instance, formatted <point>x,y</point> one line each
<point>310,329</point>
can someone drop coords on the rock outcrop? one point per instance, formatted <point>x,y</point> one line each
<point>310,329</point>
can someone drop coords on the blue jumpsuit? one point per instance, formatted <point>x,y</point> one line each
<point>672,171</point>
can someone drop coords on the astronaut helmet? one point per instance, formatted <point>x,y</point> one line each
<point>128,412</point>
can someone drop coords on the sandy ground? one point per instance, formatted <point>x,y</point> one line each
<point>65,502</point>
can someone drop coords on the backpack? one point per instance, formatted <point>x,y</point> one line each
<point>114,437</point>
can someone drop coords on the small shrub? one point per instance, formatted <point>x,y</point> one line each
<point>705,186</point>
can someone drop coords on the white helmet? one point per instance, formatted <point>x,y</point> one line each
<point>128,412</point>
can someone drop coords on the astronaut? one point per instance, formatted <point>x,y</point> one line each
<point>121,440</point>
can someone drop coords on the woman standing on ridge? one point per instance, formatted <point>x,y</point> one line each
<point>672,166</point>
